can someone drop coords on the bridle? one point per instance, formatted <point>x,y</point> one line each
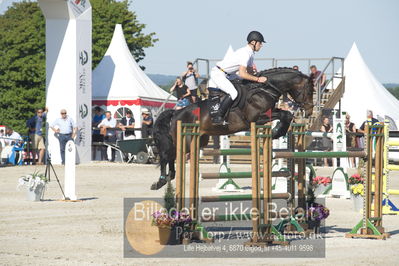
<point>275,92</point>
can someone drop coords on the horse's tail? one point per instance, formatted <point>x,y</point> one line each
<point>163,139</point>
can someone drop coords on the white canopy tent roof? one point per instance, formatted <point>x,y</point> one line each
<point>364,92</point>
<point>228,52</point>
<point>119,80</point>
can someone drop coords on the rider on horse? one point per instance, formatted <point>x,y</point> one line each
<point>238,61</point>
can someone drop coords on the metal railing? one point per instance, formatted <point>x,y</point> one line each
<point>197,65</point>
<point>265,63</point>
<point>334,68</point>
<point>335,73</point>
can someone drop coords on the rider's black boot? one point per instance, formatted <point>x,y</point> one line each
<point>218,119</point>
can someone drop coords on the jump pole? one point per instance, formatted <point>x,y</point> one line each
<point>180,167</point>
<point>388,207</point>
<point>194,168</point>
<point>261,136</point>
<point>290,223</point>
<point>189,133</point>
<point>371,224</point>
<point>184,134</point>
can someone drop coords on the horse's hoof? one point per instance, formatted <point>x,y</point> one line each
<point>160,183</point>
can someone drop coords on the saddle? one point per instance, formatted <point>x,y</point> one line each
<point>244,93</point>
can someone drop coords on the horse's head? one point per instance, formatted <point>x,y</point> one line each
<point>302,93</point>
<point>294,82</point>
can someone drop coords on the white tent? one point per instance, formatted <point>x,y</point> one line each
<point>228,52</point>
<point>118,81</point>
<point>364,92</point>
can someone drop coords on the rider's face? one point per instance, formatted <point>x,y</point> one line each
<point>257,46</point>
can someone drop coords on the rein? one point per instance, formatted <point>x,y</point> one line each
<point>279,92</point>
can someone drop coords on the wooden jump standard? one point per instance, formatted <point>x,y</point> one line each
<point>371,224</point>
<point>261,147</point>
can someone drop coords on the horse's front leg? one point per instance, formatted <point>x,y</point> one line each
<point>281,128</point>
<point>172,170</point>
<point>162,179</point>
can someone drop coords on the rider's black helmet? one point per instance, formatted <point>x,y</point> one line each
<point>255,36</point>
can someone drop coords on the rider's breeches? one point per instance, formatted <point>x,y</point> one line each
<point>220,81</point>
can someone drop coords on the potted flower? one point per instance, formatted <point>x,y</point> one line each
<point>355,179</point>
<point>315,214</point>
<point>356,187</point>
<point>357,193</point>
<point>35,185</point>
<point>164,222</point>
<point>171,223</point>
<point>320,184</point>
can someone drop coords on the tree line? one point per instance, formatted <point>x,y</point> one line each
<point>22,53</point>
<point>394,92</point>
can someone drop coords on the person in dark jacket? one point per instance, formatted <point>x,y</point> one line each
<point>127,125</point>
<point>35,126</point>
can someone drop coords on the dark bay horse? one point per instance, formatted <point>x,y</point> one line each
<point>259,98</point>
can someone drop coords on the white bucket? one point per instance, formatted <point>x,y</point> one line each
<point>320,189</point>
<point>35,194</point>
<point>357,202</point>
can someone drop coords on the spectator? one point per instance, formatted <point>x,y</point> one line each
<point>146,123</point>
<point>183,93</point>
<point>327,142</point>
<point>317,82</point>
<point>369,117</point>
<point>8,153</point>
<point>2,142</point>
<point>35,126</point>
<point>350,139</point>
<point>98,117</point>
<point>97,137</point>
<point>284,106</point>
<point>109,135</point>
<point>295,67</point>
<point>127,125</point>
<point>65,130</point>
<point>12,137</point>
<point>190,79</point>
<point>292,105</point>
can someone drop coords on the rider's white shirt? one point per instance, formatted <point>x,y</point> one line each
<point>241,57</point>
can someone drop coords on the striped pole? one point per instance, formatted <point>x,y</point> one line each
<point>283,154</point>
<point>241,175</point>
<point>314,134</point>
<point>225,152</point>
<point>393,143</point>
<point>242,197</point>
<point>328,154</point>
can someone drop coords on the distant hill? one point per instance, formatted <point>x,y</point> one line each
<point>391,85</point>
<point>162,80</point>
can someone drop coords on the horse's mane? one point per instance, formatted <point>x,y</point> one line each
<point>269,72</point>
<point>280,70</point>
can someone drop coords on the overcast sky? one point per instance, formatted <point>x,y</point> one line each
<point>292,28</point>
